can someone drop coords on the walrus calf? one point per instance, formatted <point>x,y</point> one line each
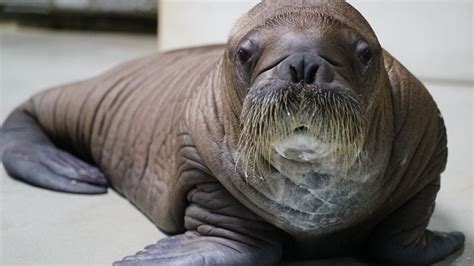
<point>301,138</point>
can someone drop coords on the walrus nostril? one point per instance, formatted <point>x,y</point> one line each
<point>301,129</point>
<point>294,74</point>
<point>310,75</point>
<point>306,68</point>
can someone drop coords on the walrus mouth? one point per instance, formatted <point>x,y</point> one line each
<point>301,130</point>
<point>301,148</point>
<point>296,120</point>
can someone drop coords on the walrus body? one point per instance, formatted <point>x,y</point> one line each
<point>178,134</point>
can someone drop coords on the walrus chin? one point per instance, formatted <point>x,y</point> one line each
<point>302,123</point>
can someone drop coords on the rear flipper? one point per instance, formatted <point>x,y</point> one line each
<point>28,155</point>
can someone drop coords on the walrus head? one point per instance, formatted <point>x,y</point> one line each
<point>303,79</point>
<point>304,74</point>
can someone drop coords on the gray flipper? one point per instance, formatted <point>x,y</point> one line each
<point>191,248</point>
<point>403,238</point>
<point>220,231</point>
<point>28,155</point>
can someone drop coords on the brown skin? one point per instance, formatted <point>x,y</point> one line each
<point>165,132</point>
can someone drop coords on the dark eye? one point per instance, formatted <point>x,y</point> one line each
<point>364,53</point>
<point>245,52</point>
<point>365,56</point>
<point>244,55</point>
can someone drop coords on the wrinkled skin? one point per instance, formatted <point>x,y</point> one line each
<point>166,132</point>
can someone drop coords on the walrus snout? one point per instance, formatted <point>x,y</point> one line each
<point>305,67</point>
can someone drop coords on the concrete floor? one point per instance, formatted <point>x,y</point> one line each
<point>44,227</point>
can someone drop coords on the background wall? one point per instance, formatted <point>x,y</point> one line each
<point>137,16</point>
<point>117,6</point>
<point>434,39</point>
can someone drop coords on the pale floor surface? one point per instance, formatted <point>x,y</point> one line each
<point>44,227</point>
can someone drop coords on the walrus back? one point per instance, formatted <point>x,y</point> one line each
<point>123,120</point>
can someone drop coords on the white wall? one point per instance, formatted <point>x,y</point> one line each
<point>433,39</point>
<point>185,23</point>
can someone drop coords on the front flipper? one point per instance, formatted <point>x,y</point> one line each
<point>220,231</point>
<point>404,240</point>
<point>192,248</point>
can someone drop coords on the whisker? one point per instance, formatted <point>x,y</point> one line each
<point>271,114</point>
